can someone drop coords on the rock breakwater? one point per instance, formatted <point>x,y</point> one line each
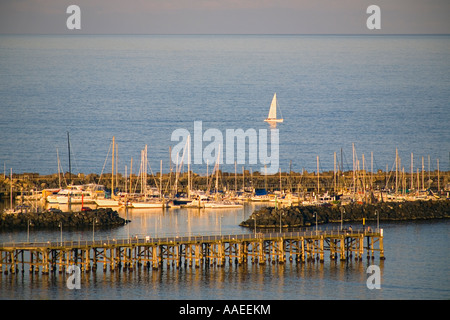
<point>303,216</point>
<point>103,218</point>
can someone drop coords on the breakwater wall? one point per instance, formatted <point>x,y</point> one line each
<point>303,216</point>
<point>100,218</point>
<point>287,181</point>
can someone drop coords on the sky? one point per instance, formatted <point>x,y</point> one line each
<point>225,16</point>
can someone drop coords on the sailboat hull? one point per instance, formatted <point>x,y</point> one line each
<point>107,203</point>
<point>273,120</point>
<point>149,205</point>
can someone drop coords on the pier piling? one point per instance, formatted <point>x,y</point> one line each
<point>192,251</point>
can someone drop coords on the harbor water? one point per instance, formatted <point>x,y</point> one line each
<point>416,266</point>
<point>378,92</point>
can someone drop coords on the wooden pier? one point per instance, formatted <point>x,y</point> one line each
<point>191,251</point>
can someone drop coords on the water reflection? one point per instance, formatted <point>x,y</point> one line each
<point>148,222</point>
<point>404,275</point>
<point>310,280</point>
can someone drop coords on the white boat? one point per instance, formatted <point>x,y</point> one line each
<point>108,203</point>
<point>149,204</point>
<point>112,201</point>
<point>272,117</point>
<point>18,209</point>
<point>50,195</point>
<point>32,195</point>
<point>196,203</point>
<point>205,203</point>
<point>74,193</point>
<point>263,198</point>
<point>223,204</point>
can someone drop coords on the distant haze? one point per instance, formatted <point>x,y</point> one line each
<point>225,16</point>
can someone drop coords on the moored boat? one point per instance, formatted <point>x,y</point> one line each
<point>149,203</point>
<point>108,203</point>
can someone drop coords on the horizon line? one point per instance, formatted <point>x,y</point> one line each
<point>226,34</point>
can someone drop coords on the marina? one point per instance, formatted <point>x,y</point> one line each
<point>233,189</point>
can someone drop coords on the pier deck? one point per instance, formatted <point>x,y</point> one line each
<point>193,251</point>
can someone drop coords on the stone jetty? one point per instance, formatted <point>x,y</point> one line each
<point>303,216</point>
<point>103,218</point>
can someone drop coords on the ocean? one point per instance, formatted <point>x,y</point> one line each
<point>377,93</point>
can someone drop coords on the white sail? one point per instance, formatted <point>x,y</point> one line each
<point>273,108</point>
<point>272,117</point>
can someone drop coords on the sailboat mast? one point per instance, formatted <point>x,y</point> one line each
<point>189,166</point>
<point>70,165</point>
<point>160,180</point>
<point>243,179</point>
<point>371,170</point>
<point>131,172</point>
<point>412,171</point>
<point>354,169</point>
<point>170,171</point>
<point>279,169</point>
<point>235,177</point>
<point>116,179</point>
<point>341,170</point>
<point>318,177</point>
<point>334,172</point>
<point>59,173</point>
<point>145,169</point>
<point>126,180</point>
<point>217,171</point>
<point>176,177</point>
<point>11,192</point>
<point>364,176</point>
<point>439,185</point>
<point>112,168</point>
<point>396,170</point>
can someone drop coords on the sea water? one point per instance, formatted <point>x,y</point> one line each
<point>376,92</point>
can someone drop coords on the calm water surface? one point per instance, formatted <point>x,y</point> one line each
<point>416,266</point>
<point>381,93</point>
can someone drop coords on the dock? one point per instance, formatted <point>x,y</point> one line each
<point>191,251</point>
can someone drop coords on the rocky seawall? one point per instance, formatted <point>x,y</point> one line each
<point>303,216</point>
<point>103,218</point>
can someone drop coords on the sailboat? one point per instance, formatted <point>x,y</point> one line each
<point>272,117</point>
<point>112,202</point>
<point>147,200</point>
<point>204,201</point>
